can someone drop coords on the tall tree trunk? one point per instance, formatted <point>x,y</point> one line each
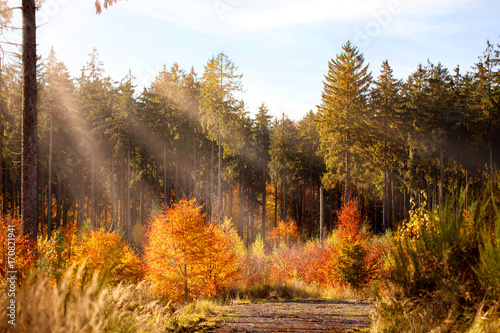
<point>219,180</point>
<point>321,213</point>
<point>92,195</point>
<point>165,194</point>
<point>49,197</point>
<point>283,202</point>
<point>1,153</point>
<point>241,198</point>
<point>311,199</point>
<point>230,200</point>
<point>177,190</point>
<point>58,202</point>
<point>65,205</point>
<point>347,194</point>
<point>491,163</point>
<point>28,141</point>
<point>113,218</point>
<point>128,192</point>
<point>195,171</point>
<point>42,201</point>
<point>392,200</point>
<point>441,196</point>
<point>212,182</point>
<point>264,200</point>
<point>384,211</point>
<point>276,205</point>
<point>81,207</point>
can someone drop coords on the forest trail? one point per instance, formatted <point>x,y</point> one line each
<point>296,316</point>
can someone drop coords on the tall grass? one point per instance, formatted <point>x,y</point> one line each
<point>73,305</point>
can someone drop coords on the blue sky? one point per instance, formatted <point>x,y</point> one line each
<point>282,47</point>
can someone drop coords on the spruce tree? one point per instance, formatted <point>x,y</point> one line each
<point>343,115</point>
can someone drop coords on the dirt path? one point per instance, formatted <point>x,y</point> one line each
<point>295,316</point>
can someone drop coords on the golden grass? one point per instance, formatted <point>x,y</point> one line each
<point>75,306</point>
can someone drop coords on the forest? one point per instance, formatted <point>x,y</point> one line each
<point>112,155</point>
<point>156,206</point>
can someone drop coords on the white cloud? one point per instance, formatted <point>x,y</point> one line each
<point>261,15</point>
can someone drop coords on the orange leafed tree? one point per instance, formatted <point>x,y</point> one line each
<point>286,231</point>
<point>188,258</point>
<point>16,249</point>
<point>358,261</point>
<point>108,252</point>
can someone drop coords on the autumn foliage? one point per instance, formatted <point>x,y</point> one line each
<point>109,253</point>
<point>186,257</point>
<point>16,246</point>
<point>358,261</point>
<point>286,231</point>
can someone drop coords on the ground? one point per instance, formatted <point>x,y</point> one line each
<point>295,316</point>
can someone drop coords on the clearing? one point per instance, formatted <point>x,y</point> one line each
<point>296,316</point>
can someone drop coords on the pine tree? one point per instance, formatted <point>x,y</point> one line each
<point>487,101</point>
<point>343,112</point>
<point>386,102</point>
<point>263,141</point>
<point>219,106</point>
<point>56,115</point>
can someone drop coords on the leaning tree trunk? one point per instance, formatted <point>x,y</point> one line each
<point>28,141</point>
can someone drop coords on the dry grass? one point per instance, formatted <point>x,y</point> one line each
<point>73,306</point>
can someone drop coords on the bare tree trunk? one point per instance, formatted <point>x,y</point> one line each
<point>81,206</point>
<point>128,192</point>
<point>165,194</point>
<point>92,195</point>
<point>347,194</point>
<point>49,197</point>
<point>321,214</point>
<point>276,205</point>
<point>311,199</point>
<point>441,196</point>
<point>241,202</point>
<point>491,163</point>
<point>177,190</point>
<point>212,183</point>
<point>195,187</point>
<point>113,219</point>
<point>264,200</point>
<point>392,200</point>
<point>230,201</point>
<point>42,200</point>
<point>283,202</point>
<point>58,202</point>
<point>1,151</point>
<point>219,180</point>
<point>384,212</point>
<point>64,206</point>
<point>28,142</point>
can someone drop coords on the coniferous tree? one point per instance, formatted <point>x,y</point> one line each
<point>263,142</point>
<point>386,101</point>
<point>219,106</point>
<point>343,112</point>
<point>487,101</point>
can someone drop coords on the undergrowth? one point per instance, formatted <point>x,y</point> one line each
<point>444,269</point>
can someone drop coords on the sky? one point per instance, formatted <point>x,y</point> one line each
<point>282,47</point>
